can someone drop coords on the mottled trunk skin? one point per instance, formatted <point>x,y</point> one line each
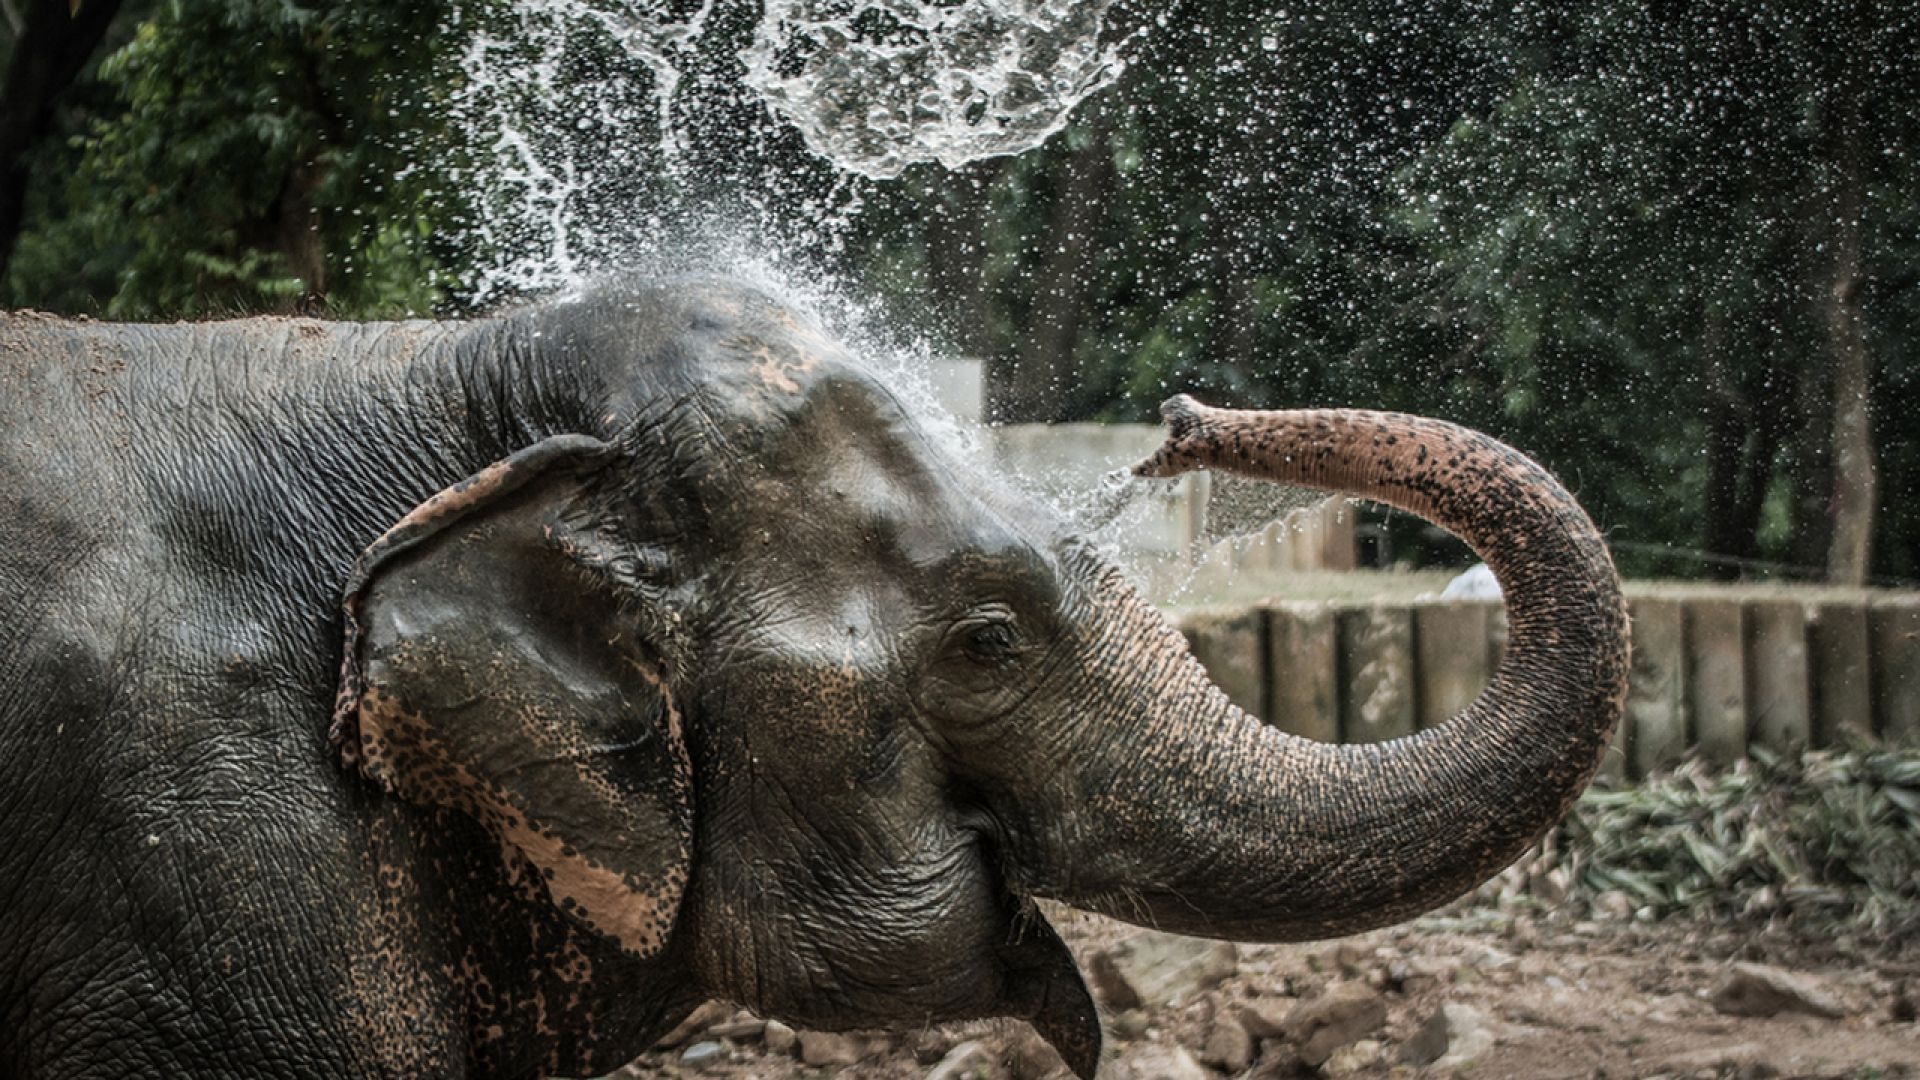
<point>1212,822</point>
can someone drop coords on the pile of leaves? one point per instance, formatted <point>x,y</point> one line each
<point>1825,841</point>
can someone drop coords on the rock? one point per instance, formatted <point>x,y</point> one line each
<point>1265,1018</point>
<point>1422,974</point>
<point>1277,1061</point>
<point>706,1015</point>
<point>1340,1016</point>
<point>1614,904</point>
<point>1760,990</point>
<point>1130,1024</point>
<point>780,1038</point>
<point>971,1060</point>
<point>1033,1058</point>
<point>930,1045</point>
<point>702,1054</point>
<point>1740,1059</point>
<point>1455,1034</point>
<point>1492,959</point>
<point>1351,956</point>
<point>1551,887</point>
<point>1229,1047</point>
<point>742,1027</point>
<point>1152,969</point>
<point>1902,1010</point>
<point>1348,1060</point>
<point>823,1048</point>
<point>1151,1061</point>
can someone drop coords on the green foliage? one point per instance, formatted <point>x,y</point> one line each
<point>1603,230</point>
<point>1820,841</point>
<point>253,155</point>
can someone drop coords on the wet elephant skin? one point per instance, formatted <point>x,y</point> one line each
<point>475,698</point>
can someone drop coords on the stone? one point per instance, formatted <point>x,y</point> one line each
<point>1424,973</point>
<point>1343,1014</point>
<point>741,1027</point>
<point>1152,970</point>
<point>702,1054</point>
<point>704,1016</point>
<point>1229,1047</point>
<point>1614,904</point>
<point>1033,1058</point>
<point>1278,1060</point>
<point>1492,959</point>
<point>1762,990</point>
<point>1351,956</point>
<point>971,1060</point>
<point>1151,1061</point>
<point>1903,1009</point>
<point>1265,1018</point>
<point>1454,1035</point>
<point>1130,1024</point>
<point>780,1038</point>
<point>930,1045</point>
<point>822,1048</point>
<point>1349,1060</point>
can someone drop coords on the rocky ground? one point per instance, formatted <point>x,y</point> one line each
<point>1474,994</point>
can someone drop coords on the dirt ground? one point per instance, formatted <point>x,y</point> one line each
<point>1548,998</point>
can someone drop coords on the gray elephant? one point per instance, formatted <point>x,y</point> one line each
<point>475,698</point>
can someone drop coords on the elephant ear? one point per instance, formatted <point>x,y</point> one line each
<point>491,669</point>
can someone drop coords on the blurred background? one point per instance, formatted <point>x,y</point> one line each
<point>1672,249</point>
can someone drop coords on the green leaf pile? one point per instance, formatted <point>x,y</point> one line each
<point>1822,840</point>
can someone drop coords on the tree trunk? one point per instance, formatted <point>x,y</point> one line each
<point>1855,479</point>
<point>60,36</point>
<point>1727,421</point>
<point>1044,371</point>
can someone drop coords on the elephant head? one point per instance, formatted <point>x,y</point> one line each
<point>754,669</point>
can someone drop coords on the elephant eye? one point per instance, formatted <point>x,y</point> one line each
<point>990,642</point>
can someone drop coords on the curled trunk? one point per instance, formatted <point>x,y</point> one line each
<point>1212,822</point>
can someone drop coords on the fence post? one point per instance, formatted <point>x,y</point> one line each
<point>1232,647</point>
<point>1377,646</point>
<point>1896,668</point>
<point>1842,674</point>
<point>1303,665</point>
<point>1656,714</point>
<point>1455,657</point>
<point>1779,696</point>
<point>1717,678</point>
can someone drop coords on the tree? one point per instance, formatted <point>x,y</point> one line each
<point>53,43</point>
<point>259,155</point>
<point>1677,198</point>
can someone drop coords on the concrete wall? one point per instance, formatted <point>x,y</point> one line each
<point>1070,461</point>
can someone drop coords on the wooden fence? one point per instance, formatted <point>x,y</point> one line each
<point>1716,670</point>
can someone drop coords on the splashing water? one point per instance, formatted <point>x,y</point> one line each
<point>590,147</point>
<point>876,87</point>
<point>587,123</point>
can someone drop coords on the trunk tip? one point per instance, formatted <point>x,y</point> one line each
<point>1181,414</point>
<point>1183,417</point>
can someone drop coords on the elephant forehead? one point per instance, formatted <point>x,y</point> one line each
<point>846,458</point>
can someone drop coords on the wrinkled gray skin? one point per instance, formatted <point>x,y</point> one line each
<point>723,682</point>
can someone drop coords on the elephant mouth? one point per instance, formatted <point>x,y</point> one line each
<point>1041,980</point>
<point>956,941</point>
<point>1042,983</point>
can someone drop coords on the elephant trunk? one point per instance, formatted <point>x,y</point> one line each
<point>1206,820</point>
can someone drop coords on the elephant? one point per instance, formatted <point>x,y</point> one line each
<point>476,697</point>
